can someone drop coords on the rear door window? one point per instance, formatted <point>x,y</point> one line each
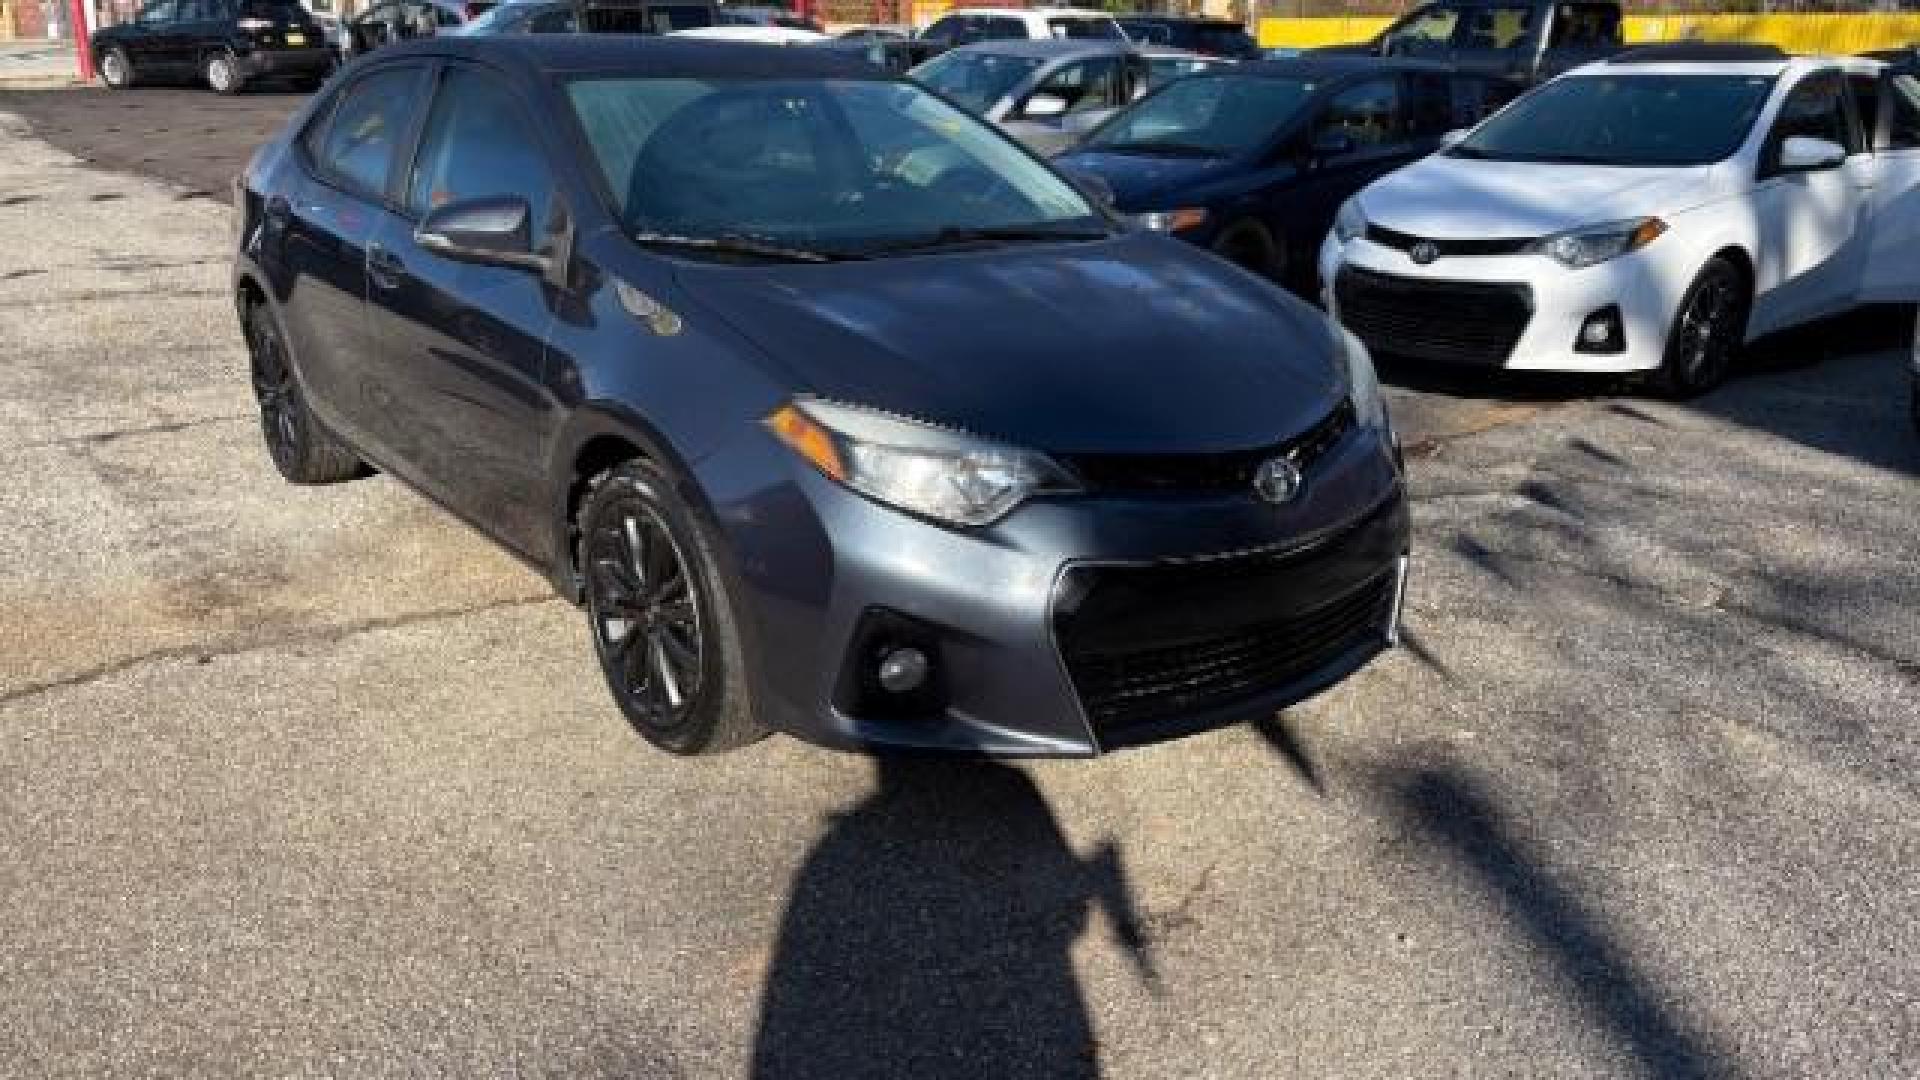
<point>1087,85</point>
<point>357,146</point>
<point>159,12</point>
<point>556,21</point>
<point>1903,113</point>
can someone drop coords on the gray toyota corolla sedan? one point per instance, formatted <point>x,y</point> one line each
<point>840,413</point>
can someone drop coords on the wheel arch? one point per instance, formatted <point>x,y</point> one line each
<point>598,436</point>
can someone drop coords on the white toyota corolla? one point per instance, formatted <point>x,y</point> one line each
<point>1650,213</point>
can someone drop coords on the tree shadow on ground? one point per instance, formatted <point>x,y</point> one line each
<point>928,935</point>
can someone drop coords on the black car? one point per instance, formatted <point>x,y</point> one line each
<point>225,44</point>
<point>402,20</point>
<point>593,17</point>
<point>1208,37</point>
<point>1253,160</point>
<point>842,414</point>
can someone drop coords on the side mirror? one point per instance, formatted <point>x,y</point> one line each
<point>1452,138</point>
<point>1042,106</point>
<point>493,232</point>
<point>1799,154</point>
<point>1331,143</point>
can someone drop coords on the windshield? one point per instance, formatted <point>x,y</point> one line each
<point>1076,26</point>
<point>1164,69</point>
<point>1205,115</point>
<point>1624,120</point>
<point>828,168</point>
<point>976,79</point>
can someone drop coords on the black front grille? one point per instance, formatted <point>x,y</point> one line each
<point>1231,471</point>
<point>1456,322</point>
<point>1161,649</point>
<point>1448,249</point>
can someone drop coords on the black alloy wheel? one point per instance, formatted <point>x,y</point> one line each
<point>662,626</point>
<point>303,450</point>
<point>1706,332</point>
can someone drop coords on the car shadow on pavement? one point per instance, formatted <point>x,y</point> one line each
<point>928,934</point>
<point>1839,386</point>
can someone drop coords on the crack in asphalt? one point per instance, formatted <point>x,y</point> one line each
<point>101,438</point>
<point>331,635</point>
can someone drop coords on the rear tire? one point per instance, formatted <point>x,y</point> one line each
<point>661,616</point>
<point>222,72</point>
<point>302,448</point>
<point>1708,329</point>
<point>116,70</point>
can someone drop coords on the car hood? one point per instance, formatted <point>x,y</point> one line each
<point>1138,344</point>
<point>1459,198</point>
<point>1141,181</point>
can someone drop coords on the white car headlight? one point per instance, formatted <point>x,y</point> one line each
<point>1363,385</point>
<point>1592,244</point>
<point>1350,222</point>
<point>922,469</point>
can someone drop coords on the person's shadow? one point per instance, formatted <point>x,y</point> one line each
<point>928,934</point>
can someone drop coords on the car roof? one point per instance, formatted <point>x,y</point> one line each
<point>1335,66</point>
<point>1184,20</point>
<point>1776,66</point>
<point>640,55</point>
<point>1048,47</point>
<point>1015,13</point>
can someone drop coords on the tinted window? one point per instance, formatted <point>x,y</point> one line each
<point>1224,41</point>
<point>477,145</point>
<point>667,18</point>
<point>358,145</point>
<point>943,30</point>
<point>1585,26</point>
<point>1205,116</point>
<point>1368,114</point>
<point>1094,29</point>
<point>1625,120</point>
<point>1086,85</point>
<point>556,21</point>
<point>976,79</point>
<point>160,11</point>
<point>1903,108</point>
<point>1425,30</point>
<point>1866,105</point>
<point>825,164</point>
<point>1476,99</point>
<point>1147,32</point>
<point>997,30</point>
<point>1815,109</point>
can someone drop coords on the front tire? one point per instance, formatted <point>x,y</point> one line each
<point>302,448</point>
<point>661,615</point>
<point>116,69</point>
<point>1707,332</point>
<point>1249,246</point>
<point>222,72</point>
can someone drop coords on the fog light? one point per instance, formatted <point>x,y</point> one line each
<point>902,671</point>
<point>1601,332</point>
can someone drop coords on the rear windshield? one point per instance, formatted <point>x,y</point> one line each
<point>280,13</point>
<point>1624,120</point>
<point>1098,29</point>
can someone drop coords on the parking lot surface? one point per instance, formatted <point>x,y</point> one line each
<point>316,782</point>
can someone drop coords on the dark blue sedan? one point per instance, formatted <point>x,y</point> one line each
<point>840,413</point>
<point>1253,161</point>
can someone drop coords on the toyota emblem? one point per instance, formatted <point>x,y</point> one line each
<point>1277,480</point>
<point>1424,252</point>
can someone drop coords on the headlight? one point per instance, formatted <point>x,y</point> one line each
<point>1171,221</point>
<point>1592,244</point>
<point>1363,385</point>
<point>1350,222</point>
<point>934,472</point>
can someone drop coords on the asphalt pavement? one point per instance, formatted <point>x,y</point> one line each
<point>316,782</point>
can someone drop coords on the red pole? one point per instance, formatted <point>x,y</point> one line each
<point>82,36</point>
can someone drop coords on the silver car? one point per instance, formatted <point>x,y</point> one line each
<point>1047,94</point>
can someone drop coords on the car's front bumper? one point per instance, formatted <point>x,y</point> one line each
<point>1073,626</point>
<point>1518,312</point>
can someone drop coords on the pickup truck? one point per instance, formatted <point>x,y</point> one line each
<point>1524,41</point>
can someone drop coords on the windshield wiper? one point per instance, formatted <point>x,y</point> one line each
<point>1165,149</point>
<point>957,236</point>
<point>742,244</point>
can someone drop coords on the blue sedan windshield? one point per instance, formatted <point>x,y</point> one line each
<point>1205,116</point>
<point>842,167</point>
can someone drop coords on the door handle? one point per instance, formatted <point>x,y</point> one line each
<point>384,268</point>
